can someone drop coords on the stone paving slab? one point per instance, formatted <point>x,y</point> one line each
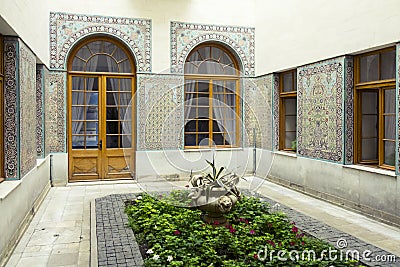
<point>117,246</point>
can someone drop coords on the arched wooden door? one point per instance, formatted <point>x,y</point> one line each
<point>101,125</point>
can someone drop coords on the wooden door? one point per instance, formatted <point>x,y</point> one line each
<point>100,127</point>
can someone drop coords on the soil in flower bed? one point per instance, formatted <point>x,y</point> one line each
<point>174,236</point>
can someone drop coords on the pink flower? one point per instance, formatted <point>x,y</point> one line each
<point>272,243</point>
<point>216,222</point>
<point>255,256</point>
<point>302,243</point>
<point>177,232</point>
<point>246,221</point>
<point>252,232</point>
<point>293,223</point>
<point>232,230</point>
<point>292,243</point>
<point>295,229</point>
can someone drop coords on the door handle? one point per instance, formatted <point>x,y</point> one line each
<point>100,145</point>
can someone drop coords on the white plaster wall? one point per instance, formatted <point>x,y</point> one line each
<point>369,192</point>
<point>24,199</point>
<point>60,169</point>
<point>30,19</point>
<point>292,33</point>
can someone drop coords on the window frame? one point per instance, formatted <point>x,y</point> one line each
<point>282,97</point>
<point>378,86</point>
<point>210,78</point>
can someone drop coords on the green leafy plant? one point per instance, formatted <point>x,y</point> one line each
<point>172,236</point>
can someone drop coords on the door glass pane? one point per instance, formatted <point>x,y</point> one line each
<point>112,99</point>
<point>388,65</point>
<point>112,113</point>
<point>77,113</point>
<point>390,127</point>
<point>78,141</point>
<point>78,127</point>
<point>369,68</point>
<point>390,101</point>
<point>369,149</point>
<point>78,83</point>
<point>112,127</point>
<point>112,141</point>
<point>390,148</point>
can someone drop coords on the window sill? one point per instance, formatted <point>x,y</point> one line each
<point>371,170</point>
<point>6,187</point>
<point>286,153</point>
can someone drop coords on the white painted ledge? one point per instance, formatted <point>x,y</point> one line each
<point>284,153</point>
<point>372,170</point>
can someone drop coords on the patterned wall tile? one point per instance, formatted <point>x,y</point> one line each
<point>11,118</point>
<point>320,111</point>
<point>185,36</point>
<point>160,112</point>
<point>349,110</point>
<point>257,111</point>
<point>276,112</point>
<point>55,120</point>
<point>67,29</point>
<point>40,110</point>
<point>27,100</point>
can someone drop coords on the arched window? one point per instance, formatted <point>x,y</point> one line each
<point>211,98</point>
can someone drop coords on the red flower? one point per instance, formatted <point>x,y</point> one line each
<point>292,243</point>
<point>272,243</point>
<point>255,256</point>
<point>232,230</point>
<point>252,232</point>
<point>295,229</point>
<point>216,222</point>
<point>177,232</point>
<point>302,243</point>
<point>246,221</point>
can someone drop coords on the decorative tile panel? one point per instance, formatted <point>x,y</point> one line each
<point>55,109</point>
<point>185,36</point>
<point>160,112</point>
<point>257,111</point>
<point>40,110</point>
<point>11,116</point>
<point>398,106</point>
<point>349,110</point>
<point>27,100</point>
<point>67,29</point>
<point>320,112</point>
<point>275,109</point>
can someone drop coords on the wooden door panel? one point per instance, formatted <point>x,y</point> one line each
<point>84,165</point>
<point>117,164</point>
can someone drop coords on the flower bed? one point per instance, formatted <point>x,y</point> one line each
<point>255,236</point>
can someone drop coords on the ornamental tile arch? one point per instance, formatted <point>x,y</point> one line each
<point>320,110</point>
<point>160,111</point>
<point>186,36</point>
<point>68,29</point>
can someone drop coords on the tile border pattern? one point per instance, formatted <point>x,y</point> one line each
<point>55,113</point>
<point>67,29</point>
<point>276,104</point>
<point>185,36</point>
<point>39,111</point>
<point>398,107</point>
<point>349,110</point>
<point>320,97</point>
<point>11,118</point>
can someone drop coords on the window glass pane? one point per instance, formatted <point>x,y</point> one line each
<point>230,138</point>
<point>289,138</point>
<point>92,84</point>
<point>218,87</point>
<point>77,83</point>
<point>231,100</point>
<point>190,140</point>
<point>203,140</point>
<point>290,123</point>
<point>96,47</point>
<point>112,127</point>
<point>92,98</point>
<point>369,149</point>
<point>369,68</point>
<point>203,101</point>
<point>218,139</point>
<point>369,126</point>
<point>390,127</point>
<point>202,112</point>
<point>84,53</point>
<point>369,102</point>
<point>202,87</point>
<point>288,82</point>
<point>389,152</point>
<point>101,63</point>
<point>190,126</point>
<point>109,48</point>
<point>78,141</point>
<point>230,87</point>
<point>78,64</point>
<point>390,101</point>
<point>218,126</point>
<point>295,80</point>
<point>112,99</point>
<point>78,98</point>
<point>290,106</point>
<point>125,113</point>
<point>388,65</point>
<point>78,127</point>
<point>92,113</point>
<point>112,113</point>
<point>203,126</point>
<point>210,67</point>
<point>119,55</point>
<point>125,67</point>
<point>77,113</point>
<point>204,53</point>
<point>216,53</point>
<point>190,113</point>
<point>91,141</point>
